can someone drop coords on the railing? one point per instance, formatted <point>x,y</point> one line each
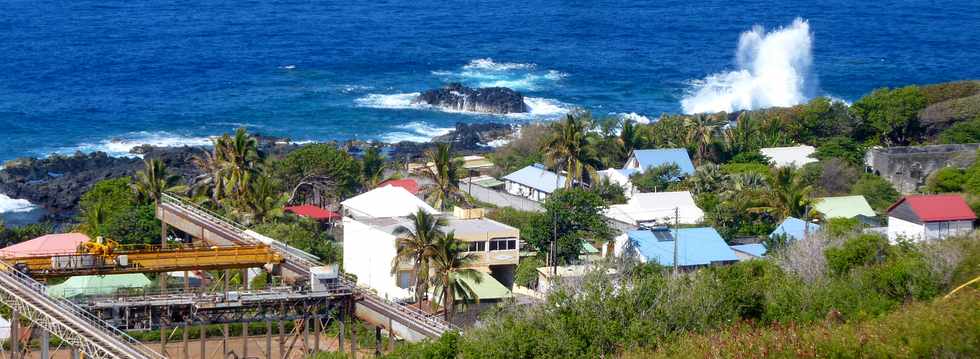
<point>73,309</point>
<point>306,260</point>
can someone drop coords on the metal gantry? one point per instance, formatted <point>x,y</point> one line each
<point>73,325</point>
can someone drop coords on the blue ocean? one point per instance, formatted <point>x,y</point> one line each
<point>108,75</point>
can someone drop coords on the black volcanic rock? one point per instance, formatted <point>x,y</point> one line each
<point>456,97</point>
<point>475,136</point>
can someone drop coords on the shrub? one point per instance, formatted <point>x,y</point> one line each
<point>861,250</point>
<point>952,111</point>
<point>879,193</point>
<point>937,93</point>
<point>527,272</point>
<point>962,132</point>
<point>947,179</point>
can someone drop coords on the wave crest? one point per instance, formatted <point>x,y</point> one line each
<point>773,70</point>
<point>121,145</point>
<point>13,205</point>
<point>488,73</point>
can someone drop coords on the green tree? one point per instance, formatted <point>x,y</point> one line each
<point>962,132</point>
<point>631,137</point>
<point>859,251</point>
<point>305,235</point>
<point>209,185</point>
<point>372,167</point>
<point>707,178</point>
<point>105,200</point>
<point>892,115</point>
<point>789,195</point>
<point>450,263</point>
<point>240,159</point>
<point>444,191</point>
<point>415,245</point>
<point>700,135</point>
<point>568,149</point>
<point>879,193</point>
<point>137,225</point>
<point>946,179</point>
<point>577,216</point>
<point>843,148</point>
<point>320,160</point>
<point>656,179</point>
<point>264,201</point>
<point>153,181</point>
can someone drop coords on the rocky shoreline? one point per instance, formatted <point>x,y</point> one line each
<point>56,183</point>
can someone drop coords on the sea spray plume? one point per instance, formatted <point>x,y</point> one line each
<point>773,70</point>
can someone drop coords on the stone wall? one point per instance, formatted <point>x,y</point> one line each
<point>908,167</point>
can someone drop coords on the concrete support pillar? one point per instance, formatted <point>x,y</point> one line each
<point>340,336</point>
<point>224,340</point>
<point>14,335</point>
<point>306,335</point>
<point>74,353</point>
<point>353,338</point>
<point>45,343</point>
<point>245,340</point>
<point>163,338</point>
<point>391,335</point>
<point>316,332</point>
<point>268,338</point>
<point>244,278</point>
<point>187,330</point>
<point>204,341</point>
<point>377,341</point>
<point>282,339</point>
<point>163,244</point>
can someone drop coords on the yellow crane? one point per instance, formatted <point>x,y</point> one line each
<point>105,256</point>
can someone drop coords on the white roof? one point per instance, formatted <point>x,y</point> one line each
<point>387,201</point>
<point>657,207</point>
<point>790,156</point>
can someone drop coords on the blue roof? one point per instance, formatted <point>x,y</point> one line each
<point>535,176</point>
<point>794,227</point>
<point>697,246</point>
<point>661,156</point>
<point>755,249</point>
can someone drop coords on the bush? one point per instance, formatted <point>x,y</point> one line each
<point>891,115</point>
<point>952,111</point>
<point>841,227</point>
<point>879,193</point>
<point>962,132</point>
<point>947,179</point>
<point>527,272</point>
<point>861,250</point>
<point>319,160</point>
<point>304,236</point>
<point>937,93</point>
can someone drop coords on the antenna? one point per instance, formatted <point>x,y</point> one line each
<point>676,237</point>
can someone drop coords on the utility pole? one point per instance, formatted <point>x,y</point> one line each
<point>676,235</point>
<point>806,221</point>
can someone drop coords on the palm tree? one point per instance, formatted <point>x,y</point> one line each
<point>568,147</point>
<point>630,138</point>
<point>700,134</point>
<point>264,201</point>
<point>444,175</point>
<point>414,244</point>
<point>210,183</point>
<point>239,156</point>
<point>450,260</point>
<point>372,168</point>
<point>707,178</point>
<point>153,181</point>
<point>789,194</point>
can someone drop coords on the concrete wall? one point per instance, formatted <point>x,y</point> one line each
<point>900,228</point>
<point>908,167</point>
<point>367,254</point>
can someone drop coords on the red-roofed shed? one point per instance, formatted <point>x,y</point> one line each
<point>313,212</point>
<point>921,217</point>
<point>61,243</point>
<point>408,184</point>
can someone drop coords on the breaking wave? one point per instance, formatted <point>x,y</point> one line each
<point>773,70</point>
<point>391,101</point>
<point>518,76</point>
<point>538,107</point>
<point>13,205</point>
<point>416,132</point>
<point>121,145</point>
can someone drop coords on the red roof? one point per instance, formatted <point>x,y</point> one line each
<point>408,184</point>
<point>61,243</point>
<point>314,212</point>
<point>941,207</point>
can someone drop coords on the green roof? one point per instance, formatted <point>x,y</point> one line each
<point>489,182</point>
<point>87,285</point>
<point>588,248</point>
<point>843,207</point>
<point>487,288</point>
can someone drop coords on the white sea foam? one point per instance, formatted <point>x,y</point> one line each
<point>415,131</point>
<point>635,117</point>
<point>545,108</point>
<point>489,64</point>
<point>120,146</point>
<point>391,101</point>
<point>13,205</point>
<point>773,70</point>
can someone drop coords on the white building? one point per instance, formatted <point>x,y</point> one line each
<point>657,208</point>
<point>929,217</point>
<point>385,201</point>
<point>370,249</point>
<point>795,156</point>
<point>533,182</point>
<point>620,177</point>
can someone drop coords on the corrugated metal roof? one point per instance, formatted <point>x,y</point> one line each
<point>60,243</point>
<point>755,249</point>
<point>935,208</point>
<point>697,246</point>
<point>387,201</point>
<point>97,284</point>
<point>535,176</point>
<point>657,207</point>
<point>843,207</point>
<point>794,228</point>
<point>311,211</point>
<point>408,184</point>
<point>660,156</point>
<point>796,156</point>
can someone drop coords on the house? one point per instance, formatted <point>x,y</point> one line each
<point>551,277</point>
<point>696,247</point>
<point>846,207</point>
<point>313,212</point>
<point>533,182</point>
<point>410,185</point>
<point>370,248</point>
<point>60,243</point>
<point>620,177</point>
<point>657,208</point>
<point>929,217</point>
<point>478,164</point>
<point>641,160</point>
<point>387,201</point>
<point>795,228</point>
<point>795,156</point>
<point>96,285</point>
<point>749,251</point>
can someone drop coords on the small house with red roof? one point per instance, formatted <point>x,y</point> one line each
<point>929,217</point>
<point>58,243</point>
<point>408,184</point>
<point>313,212</point>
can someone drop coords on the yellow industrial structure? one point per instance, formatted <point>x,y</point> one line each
<point>101,257</point>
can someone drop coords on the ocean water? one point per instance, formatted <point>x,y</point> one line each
<point>108,74</point>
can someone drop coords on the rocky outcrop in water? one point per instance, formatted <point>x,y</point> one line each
<point>475,136</point>
<point>456,97</point>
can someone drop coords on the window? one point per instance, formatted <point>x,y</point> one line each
<point>404,279</point>
<point>503,244</point>
<point>477,247</point>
